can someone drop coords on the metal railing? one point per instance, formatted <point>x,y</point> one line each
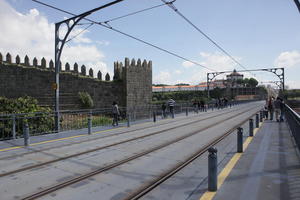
<point>293,119</point>
<point>13,126</point>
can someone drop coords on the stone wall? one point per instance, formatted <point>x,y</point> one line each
<point>131,85</point>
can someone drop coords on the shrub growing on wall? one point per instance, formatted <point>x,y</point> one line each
<point>86,100</point>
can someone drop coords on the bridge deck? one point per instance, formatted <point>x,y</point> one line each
<point>269,168</point>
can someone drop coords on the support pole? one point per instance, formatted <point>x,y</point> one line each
<point>154,116</point>
<point>90,124</point>
<point>59,44</point>
<point>14,126</point>
<point>128,120</point>
<point>257,120</point>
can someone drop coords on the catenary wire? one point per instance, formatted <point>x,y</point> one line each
<point>106,25</point>
<point>109,20</point>
<point>116,18</point>
<point>133,13</point>
<point>172,6</point>
<point>91,24</point>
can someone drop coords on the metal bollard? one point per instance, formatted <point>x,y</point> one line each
<point>154,116</point>
<point>261,116</point>
<point>26,135</point>
<point>186,112</point>
<point>14,126</point>
<point>251,127</point>
<point>257,120</point>
<point>89,124</point>
<point>212,169</point>
<point>128,120</point>
<point>240,140</point>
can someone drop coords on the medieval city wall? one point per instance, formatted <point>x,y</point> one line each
<point>130,85</point>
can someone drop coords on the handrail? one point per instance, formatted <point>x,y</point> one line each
<point>294,112</point>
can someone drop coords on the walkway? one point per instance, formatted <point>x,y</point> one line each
<point>268,169</point>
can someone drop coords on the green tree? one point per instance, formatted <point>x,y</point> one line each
<point>240,81</point>
<point>246,82</point>
<point>253,82</point>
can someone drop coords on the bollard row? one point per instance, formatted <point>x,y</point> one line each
<point>212,156</point>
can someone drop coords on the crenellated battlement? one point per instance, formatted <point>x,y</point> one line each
<point>44,65</point>
<point>119,71</point>
<point>130,85</point>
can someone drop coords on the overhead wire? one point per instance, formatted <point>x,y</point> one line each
<point>133,13</point>
<point>91,24</point>
<point>106,25</point>
<point>172,6</point>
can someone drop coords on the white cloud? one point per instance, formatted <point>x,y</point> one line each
<point>288,59</point>
<point>81,53</point>
<point>198,76</point>
<point>178,72</point>
<point>293,84</point>
<point>187,64</point>
<point>217,61</point>
<point>33,35</point>
<point>78,36</point>
<point>163,77</point>
<point>104,42</point>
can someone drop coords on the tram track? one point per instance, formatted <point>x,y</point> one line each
<point>31,150</point>
<point>123,161</point>
<point>147,188</point>
<point>106,146</point>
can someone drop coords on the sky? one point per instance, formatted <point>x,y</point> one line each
<point>257,33</point>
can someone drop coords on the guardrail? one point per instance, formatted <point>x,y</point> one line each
<point>13,126</point>
<point>293,119</point>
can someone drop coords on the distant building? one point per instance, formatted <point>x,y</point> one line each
<point>234,76</point>
<point>174,88</point>
<point>200,87</point>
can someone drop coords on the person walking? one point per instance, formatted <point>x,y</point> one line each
<point>202,105</point>
<point>171,104</point>
<point>281,109</point>
<point>277,104</point>
<point>116,113</point>
<point>270,108</point>
<point>163,108</point>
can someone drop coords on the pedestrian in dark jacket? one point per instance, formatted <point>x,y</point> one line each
<point>115,113</point>
<point>163,108</point>
<point>270,108</point>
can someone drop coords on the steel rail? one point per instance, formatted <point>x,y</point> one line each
<point>103,147</point>
<point>92,139</point>
<point>142,191</point>
<point>123,161</point>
